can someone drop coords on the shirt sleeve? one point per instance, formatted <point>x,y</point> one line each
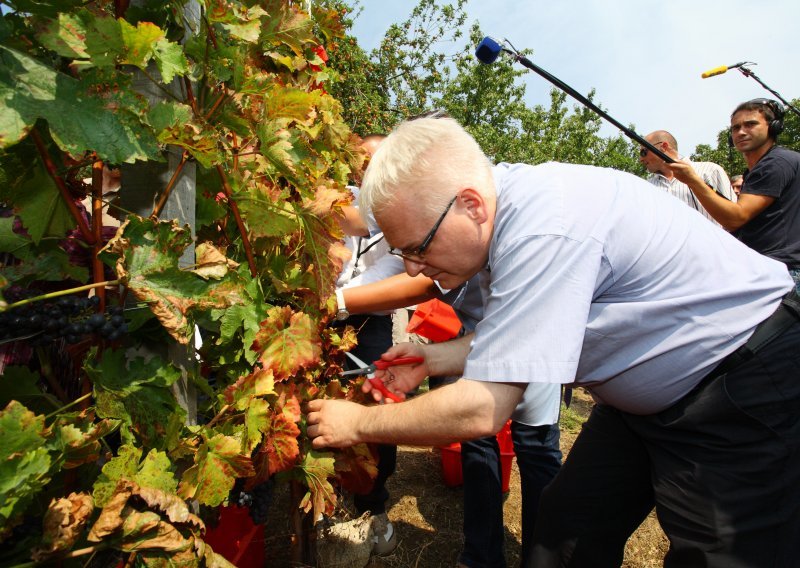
<point>536,312</point>
<point>769,177</point>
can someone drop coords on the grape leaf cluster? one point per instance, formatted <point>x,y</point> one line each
<point>70,317</point>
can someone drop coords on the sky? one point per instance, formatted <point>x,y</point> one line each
<point>643,58</point>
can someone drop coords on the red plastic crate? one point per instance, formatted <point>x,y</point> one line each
<point>237,539</point>
<point>451,460</point>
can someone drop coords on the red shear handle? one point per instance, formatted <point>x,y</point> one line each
<point>378,384</point>
<point>383,365</point>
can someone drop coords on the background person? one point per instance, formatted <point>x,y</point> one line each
<point>736,184</point>
<point>662,177</point>
<point>621,290</point>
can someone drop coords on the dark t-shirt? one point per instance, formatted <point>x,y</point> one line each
<point>775,232</point>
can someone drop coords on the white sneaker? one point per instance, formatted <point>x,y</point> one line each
<point>384,539</point>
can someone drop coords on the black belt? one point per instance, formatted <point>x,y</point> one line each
<point>788,312</point>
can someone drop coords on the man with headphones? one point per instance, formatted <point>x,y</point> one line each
<point>767,215</point>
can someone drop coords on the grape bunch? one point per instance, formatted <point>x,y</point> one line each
<point>258,499</point>
<point>70,317</point>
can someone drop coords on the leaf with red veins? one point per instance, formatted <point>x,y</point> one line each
<point>259,383</point>
<point>281,443</point>
<point>218,462</point>
<point>287,342</point>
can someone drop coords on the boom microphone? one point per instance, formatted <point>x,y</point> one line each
<point>721,69</point>
<point>489,49</point>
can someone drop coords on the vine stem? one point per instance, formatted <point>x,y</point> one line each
<point>248,249</point>
<point>69,405</point>
<point>62,188</point>
<point>168,190</point>
<point>58,293</point>
<point>97,229</point>
<point>219,415</point>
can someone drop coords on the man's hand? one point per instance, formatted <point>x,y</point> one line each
<point>402,378</point>
<point>333,423</point>
<point>686,173</point>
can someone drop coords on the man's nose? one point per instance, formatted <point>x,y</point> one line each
<point>413,267</point>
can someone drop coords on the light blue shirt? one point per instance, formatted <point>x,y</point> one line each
<point>600,279</point>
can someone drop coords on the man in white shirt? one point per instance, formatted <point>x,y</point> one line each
<point>598,281</point>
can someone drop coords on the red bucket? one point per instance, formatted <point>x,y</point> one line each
<point>237,539</point>
<point>435,320</point>
<point>452,473</point>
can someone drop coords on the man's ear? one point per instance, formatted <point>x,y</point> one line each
<point>474,205</point>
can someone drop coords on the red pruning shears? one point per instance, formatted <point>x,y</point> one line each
<point>369,371</point>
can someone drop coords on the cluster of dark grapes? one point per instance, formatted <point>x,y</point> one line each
<point>258,499</point>
<point>69,317</point>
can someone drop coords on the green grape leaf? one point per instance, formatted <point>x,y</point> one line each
<point>40,206</point>
<point>155,471</point>
<point>137,392</point>
<point>218,462</point>
<point>21,384</point>
<point>287,342</point>
<point>24,459</point>
<point>79,122</point>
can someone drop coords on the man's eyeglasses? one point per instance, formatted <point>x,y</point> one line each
<point>643,151</point>
<point>418,253</point>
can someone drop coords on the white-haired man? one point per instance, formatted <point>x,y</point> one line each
<point>598,280</point>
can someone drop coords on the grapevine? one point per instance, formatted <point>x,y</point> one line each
<point>92,310</point>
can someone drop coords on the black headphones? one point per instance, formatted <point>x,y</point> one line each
<point>775,126</point>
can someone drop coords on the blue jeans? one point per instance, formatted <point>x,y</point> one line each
<point>538,459</point>
<point>795,272</point>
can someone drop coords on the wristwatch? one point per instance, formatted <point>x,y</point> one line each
<point>341,311</point>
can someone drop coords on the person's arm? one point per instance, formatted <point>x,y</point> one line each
<point>390,293</point>
<point>352,223</point>
<point>463,410</point>
<point>731,215</point>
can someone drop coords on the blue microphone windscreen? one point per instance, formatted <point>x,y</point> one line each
<point>488,50</point>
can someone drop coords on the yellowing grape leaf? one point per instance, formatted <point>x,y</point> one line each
<point>218,462</point>
<point>64,522</point>
<point>259,383</point>
<point>155,471</point>
<point>211,262</point>
<point>316,468</point>
<point>287,342</point>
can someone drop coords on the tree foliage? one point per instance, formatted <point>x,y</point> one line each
<point>426,62</point>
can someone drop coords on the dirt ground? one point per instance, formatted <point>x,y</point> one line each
<point>427,514</point>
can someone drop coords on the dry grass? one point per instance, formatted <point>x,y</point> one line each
<point>427,514</point>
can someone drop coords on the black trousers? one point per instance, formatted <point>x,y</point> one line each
<point>721,467</point>
<point>374,338</point>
